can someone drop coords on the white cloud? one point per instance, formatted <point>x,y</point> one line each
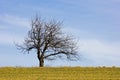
<point>101,53</point>
<point>10,39</point>
<point>14,20</point>
<point>97,46</point>
<point>9,36</point>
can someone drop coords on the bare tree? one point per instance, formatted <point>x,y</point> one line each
<point>48,41</point>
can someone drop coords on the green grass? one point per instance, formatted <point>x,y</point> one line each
<point>60,73</point>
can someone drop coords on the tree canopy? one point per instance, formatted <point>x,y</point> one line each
<point>49,41</point>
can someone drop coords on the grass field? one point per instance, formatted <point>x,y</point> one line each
<point>60,73</point>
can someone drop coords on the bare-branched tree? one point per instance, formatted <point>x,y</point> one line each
<point>48,41</point>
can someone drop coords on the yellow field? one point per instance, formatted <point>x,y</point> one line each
<point>60,73</point>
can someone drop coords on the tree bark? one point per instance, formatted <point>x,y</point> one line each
<point>41,63</point>
<point>41,59</point>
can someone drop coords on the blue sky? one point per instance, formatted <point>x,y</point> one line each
<point>94,23</point>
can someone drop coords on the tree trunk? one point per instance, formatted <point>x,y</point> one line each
<point>41,63</point>
<point>41,59</point>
